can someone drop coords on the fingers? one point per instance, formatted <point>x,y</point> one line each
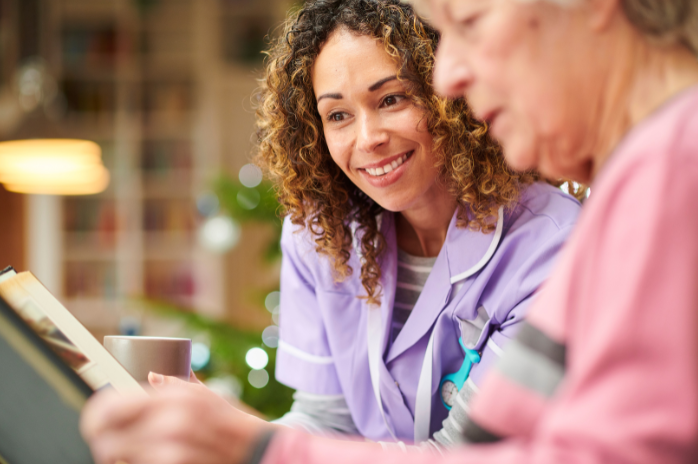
<point>159,381</point>
<point>176,425</point>
<point>108,409</point>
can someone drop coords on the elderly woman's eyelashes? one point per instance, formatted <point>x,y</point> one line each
<point>468,23</point>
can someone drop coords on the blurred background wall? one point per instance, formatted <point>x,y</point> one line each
<point>164,87</point>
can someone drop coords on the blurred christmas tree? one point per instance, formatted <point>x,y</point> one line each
<point>249,199</point>
<point>253,203</point>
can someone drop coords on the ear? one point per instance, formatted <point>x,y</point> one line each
<point>602,13</point>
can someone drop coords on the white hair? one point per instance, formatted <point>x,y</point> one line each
<point>669,21</point>
<point>663,21</point>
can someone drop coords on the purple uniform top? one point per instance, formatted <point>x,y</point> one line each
<point>479,289</point>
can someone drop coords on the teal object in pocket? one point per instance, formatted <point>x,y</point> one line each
<point>452,383</point>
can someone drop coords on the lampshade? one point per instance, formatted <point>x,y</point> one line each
<point>52,166</point>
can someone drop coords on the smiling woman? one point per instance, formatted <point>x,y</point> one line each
<point>378,174</point>
<point>397,52</point>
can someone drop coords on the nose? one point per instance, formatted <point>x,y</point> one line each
<point>452,76</point>
<point>370,133</point>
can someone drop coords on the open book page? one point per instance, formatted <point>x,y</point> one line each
<point>64,333</point>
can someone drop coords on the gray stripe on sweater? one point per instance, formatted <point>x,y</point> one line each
<point>538,341</point>
<point>530,369</point>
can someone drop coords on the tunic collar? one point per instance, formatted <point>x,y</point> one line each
<point>464,253</point>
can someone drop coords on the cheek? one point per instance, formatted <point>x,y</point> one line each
<point>340,151</point>
<point>411,125</point>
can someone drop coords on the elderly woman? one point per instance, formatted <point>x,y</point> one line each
<point>606,369</point>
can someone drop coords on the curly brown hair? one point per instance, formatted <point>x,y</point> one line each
<point>313,189</point>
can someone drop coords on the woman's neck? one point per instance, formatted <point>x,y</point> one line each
<point>421,231</point>
<point>650,76</point>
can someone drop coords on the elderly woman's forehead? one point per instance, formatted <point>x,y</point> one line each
<point>429,9</point>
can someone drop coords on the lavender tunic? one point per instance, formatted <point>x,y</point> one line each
<point>323,325</point>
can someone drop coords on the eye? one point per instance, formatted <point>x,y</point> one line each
<point>468,22</point>
<point>392,100</point>
<point>336,117</point>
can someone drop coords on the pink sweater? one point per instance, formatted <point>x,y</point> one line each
<point>607,369</point>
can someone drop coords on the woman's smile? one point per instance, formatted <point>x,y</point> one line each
<point>387,171</point>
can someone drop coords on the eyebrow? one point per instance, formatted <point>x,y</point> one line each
<point>378,84</point>
<point>334,96</point>
<point>372,88</point>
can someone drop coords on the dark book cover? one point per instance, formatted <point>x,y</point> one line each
<point>40,399</point>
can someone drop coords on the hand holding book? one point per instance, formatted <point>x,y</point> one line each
<point>167,426</point>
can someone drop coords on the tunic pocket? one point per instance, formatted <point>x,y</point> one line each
<point>474,332</point>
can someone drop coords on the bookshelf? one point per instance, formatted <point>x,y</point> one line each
<point>129,76</point>
<point>163,86</point>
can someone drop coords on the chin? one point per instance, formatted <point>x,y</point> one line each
<point>520,156</point>
<point>391,206</point>
<point>578,172</point>
<point>394,204</point>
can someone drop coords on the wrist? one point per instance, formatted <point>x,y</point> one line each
<point>260,445</point>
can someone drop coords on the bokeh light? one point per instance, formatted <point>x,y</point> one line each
<point>219,234</point>
<point>258,378</point>
<point>272,301</point>
<point>227,386</point>
<point>129,325</point>
<point>248,198</point>
<point>200,356</point>
<point>250,176</point>
<point>270,336</point>
<point>257,358</point>
<point>207,204</point>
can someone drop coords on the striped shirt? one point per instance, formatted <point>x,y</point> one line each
<point>412,274</point>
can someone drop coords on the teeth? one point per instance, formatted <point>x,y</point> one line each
<point>388,167</point>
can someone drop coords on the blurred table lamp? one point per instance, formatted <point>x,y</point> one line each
<point>52,166</point>
<point>37,159</point>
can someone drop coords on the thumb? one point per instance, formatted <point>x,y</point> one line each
<point>159,381</point>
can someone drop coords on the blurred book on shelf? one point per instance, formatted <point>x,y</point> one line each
<point>170,281</point>
<point>93,97</point>
<point>163,156</point>
<point>167,168</point>
<point>169,217</point>
<point>167,102</point>
<point>90,280</point>
<point>86,47</point>
<point>90,222</point>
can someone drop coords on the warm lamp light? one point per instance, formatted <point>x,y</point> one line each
<point>52,166</point>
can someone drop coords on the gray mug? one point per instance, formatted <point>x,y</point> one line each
<point>141,355</point>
